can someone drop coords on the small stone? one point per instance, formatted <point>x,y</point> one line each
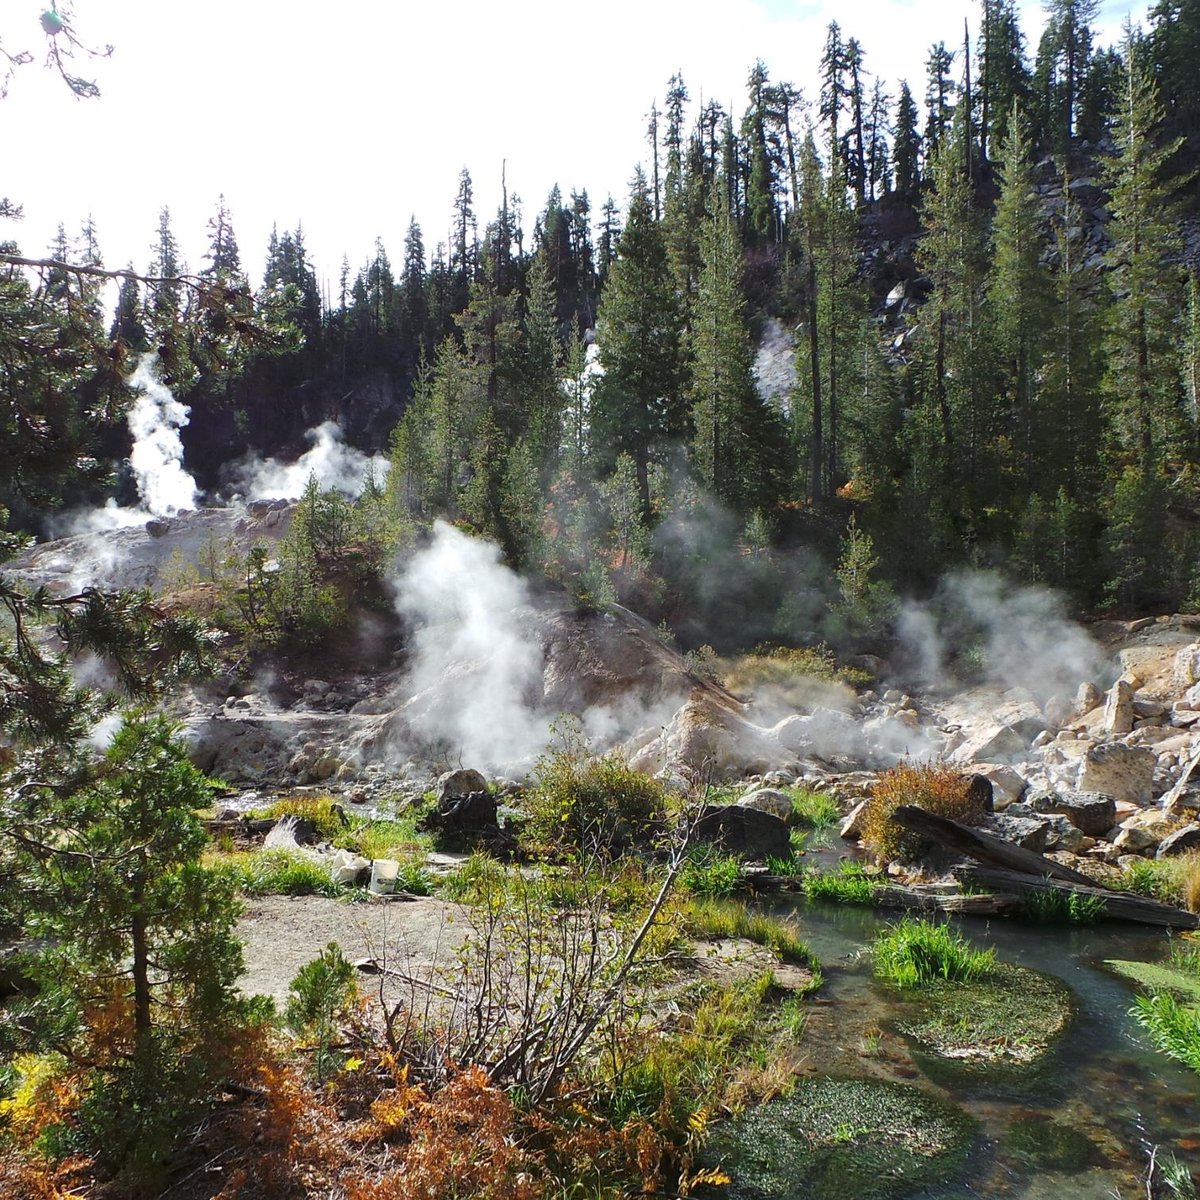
<point>1179,842</point>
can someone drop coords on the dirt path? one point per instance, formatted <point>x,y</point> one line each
<point>281,933</point>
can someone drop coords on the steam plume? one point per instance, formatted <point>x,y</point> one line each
<point>337,467</point>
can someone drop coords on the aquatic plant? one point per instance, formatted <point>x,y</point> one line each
<point>914,952</point>
<point>849,884</point>
<point>1174,1028</point>
<point>1074,908</point>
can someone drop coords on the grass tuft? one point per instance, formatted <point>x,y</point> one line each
<point>912,952</point>
<point>849,884</point>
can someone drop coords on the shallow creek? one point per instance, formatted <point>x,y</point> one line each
<point>1102,1080</point>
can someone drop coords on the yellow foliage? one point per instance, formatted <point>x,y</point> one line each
<point>936,788</point>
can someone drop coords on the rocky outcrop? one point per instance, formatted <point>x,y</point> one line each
<point>742,831</point>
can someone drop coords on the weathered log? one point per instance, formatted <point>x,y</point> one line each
<point>984,847</point>
<point>240,826</point>
<point>995,904</point>
<point>1121,906</point>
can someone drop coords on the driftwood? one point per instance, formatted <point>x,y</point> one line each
<point>984,847</point>
<point>996,904</point>
<point>1121,906</point>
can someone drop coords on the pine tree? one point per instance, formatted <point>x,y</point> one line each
<point>1020,295</point>
<point>639,406</point>
<point>1143,381</point>
<point>906,152</point>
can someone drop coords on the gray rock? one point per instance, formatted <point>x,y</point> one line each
<point>769,800</point>
<point>1093,813</point>
<point>1124,772</point>
<point>851,826</point>
<point>454,785</point>
<point>745,832</point>
<point>1118,709</point>
<point>1030,833</point>
<point>1179,842</point>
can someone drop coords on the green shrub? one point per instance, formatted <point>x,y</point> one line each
<point>708,872</point>
<point>936,788</point>
<point>586,803</point>
<point>914,952</point>
<point>849,884</point>
<point>323,812</point>
<point>321,992</point>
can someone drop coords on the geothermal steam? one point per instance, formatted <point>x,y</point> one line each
<point>334,465</point>
<point>476,675</point>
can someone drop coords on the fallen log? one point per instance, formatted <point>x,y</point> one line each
<point>240,826</point>
<point>993,904</point>
<point>1121,906</point>
<point>984,847</point>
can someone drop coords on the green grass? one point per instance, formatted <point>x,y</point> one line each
<point>276,873</point>
<point>725,919</point>
<point>911,953</point>
<point>849,884</point>
<point>1174,1028</point>
<point>1053,907</point>
<point>320,810</point>
<point>708,872</point>
<point>815,809</point>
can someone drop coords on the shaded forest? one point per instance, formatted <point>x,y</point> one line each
<point>981,292</point>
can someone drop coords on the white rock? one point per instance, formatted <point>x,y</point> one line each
<point>1124,772</point>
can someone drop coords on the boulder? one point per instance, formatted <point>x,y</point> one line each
<point>1088,697</point>
<point>1186,669</point>
<point>467,819</point>
<point>1118,709</point>
<point>1133,839</point>
<point>713,738</point>
<point>1007,785</point>
<point>1093,813</point>
<point>289,833</point>
<point>994,743</point>
<point>769,800</point>
<point>745,832</point>
<point>851,827</point>
<point>827,733</point>
<point>454,785</point>
<point>1179,842</point>
<point>979,792</point>
<point>1030,833</point>
<point>1063,835</point>
<point>1123,772</point>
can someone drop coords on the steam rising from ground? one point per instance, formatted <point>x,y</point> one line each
<point>476,674</point>
<point>164,487</point>
<point>336,466</point>
<point>1017,636</point>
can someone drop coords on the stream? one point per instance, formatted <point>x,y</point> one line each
<point>1102,1080</point>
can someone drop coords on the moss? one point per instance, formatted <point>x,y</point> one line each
<point>838,1138</point>
<point>1158,977</point>
<point>1009,1015</point>
<point>1046,1145</point>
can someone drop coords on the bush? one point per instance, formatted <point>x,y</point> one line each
<point>936,788</point>
<point>912,952</point>
<point>585,803</point>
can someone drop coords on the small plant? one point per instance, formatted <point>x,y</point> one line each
<point>912,953</point>
<point>936,788</point>
<point>1174,1028</point>
<point>708,872</point>
<point>322,992</point>
<point>1074,908</point>
<point>276,873</point>
<point>849,884</point>
<point>817,809</point>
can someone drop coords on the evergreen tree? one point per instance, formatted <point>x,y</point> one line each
<point>938,106</point>
<point>906,152</point>
<point>1143,380</point>
<point>639,405</point>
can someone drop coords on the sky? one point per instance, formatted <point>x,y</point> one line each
<point>349,119</point>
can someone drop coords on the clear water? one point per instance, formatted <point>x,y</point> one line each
<point>1103,1079</point>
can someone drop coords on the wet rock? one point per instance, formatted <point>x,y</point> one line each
<point>1180,842</point>
<point>745,832</point>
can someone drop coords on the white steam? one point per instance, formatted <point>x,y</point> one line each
<point>476,676</point>
<point>1017,636</point>
<point>336,466</point>
<point>156,459</point>
<point>164,487</point>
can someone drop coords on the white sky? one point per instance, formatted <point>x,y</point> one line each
<point>350,118</point>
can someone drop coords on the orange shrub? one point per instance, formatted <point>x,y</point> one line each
<point>936,788</point>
